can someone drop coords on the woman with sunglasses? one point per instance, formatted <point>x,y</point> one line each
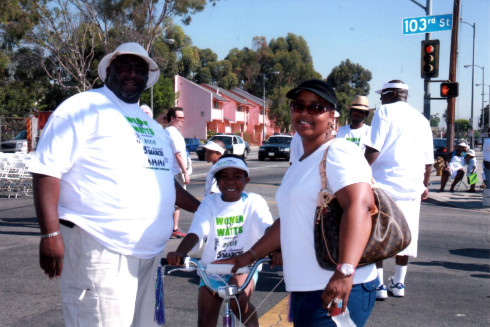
<point>314,290</point>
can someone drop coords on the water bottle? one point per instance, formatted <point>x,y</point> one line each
<point>342,320</point>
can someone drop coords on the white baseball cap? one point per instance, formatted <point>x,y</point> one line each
<point>210,145</point>
<point>131,48</point>
<point>229,162</point>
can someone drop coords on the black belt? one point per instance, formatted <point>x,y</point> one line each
<point>67,223</point>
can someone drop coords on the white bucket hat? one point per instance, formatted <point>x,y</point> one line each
<point>229,162</point>
<point>210,145</point>
<point>131,48</point>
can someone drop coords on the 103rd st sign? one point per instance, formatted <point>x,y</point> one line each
<point>427,24</point>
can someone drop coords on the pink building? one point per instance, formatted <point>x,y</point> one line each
<point>209,107</point>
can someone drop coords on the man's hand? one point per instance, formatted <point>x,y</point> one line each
<point>51,253</point>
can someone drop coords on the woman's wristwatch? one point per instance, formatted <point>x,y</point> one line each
<point>346,269</point>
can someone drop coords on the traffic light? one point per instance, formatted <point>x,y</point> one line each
<point>429,59</point>
<point>449,89</point>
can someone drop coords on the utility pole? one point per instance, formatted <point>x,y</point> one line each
<point>452,77</point>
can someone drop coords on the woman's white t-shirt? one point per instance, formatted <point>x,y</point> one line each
<point>231,228</point>
<point>297,199</point>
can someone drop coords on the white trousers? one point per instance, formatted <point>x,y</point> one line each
<point>102,288</point>
<point>411,210</point>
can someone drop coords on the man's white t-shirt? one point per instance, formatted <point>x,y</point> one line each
<point>114,165</point>
<point>357,135</point>
<point>211,185</point>
<point>178,145</point>
<point>297,199</point>
<point>486,149</point>
<point>403,137</point>
<point>231,228</point>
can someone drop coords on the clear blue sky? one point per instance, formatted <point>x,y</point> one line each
<point>368,32</point>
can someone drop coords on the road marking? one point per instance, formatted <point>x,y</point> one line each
<point>277,316</point>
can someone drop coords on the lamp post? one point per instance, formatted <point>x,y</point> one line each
<point>472,73</point>
<point>483,103</point>
<point>263,89</point>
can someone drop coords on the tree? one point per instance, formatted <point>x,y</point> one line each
<point>348,80</point>
<point>434,120</point>
<point>461,128</point>
<point>75,34</point>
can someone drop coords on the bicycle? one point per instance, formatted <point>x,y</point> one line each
<point>225,292</point>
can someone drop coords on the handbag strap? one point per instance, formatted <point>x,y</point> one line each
<point>323,173</point>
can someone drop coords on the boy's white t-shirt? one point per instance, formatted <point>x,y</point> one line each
<point>403,137</point>
<point>297,199</point>
<point>178,145</point>
<point>471,164</point>
<point>358,135</point>
<point>231,228</point>
<point>114,165</point>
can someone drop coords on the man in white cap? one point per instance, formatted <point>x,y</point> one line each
<point>104,195</point>
<point>400,152</point>
<point>357,131</point>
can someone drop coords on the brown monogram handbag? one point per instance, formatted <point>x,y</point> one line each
<point>390,233</point>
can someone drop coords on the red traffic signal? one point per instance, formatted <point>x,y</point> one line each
<point>429,65</point>
<point>449,89</point>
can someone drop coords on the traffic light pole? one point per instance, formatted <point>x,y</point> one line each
<point>428,12</point>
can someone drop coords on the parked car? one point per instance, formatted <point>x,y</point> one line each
<point>192,144</point>
<point>275,147</point>
<point>17,144</point>
<point>234,144</point>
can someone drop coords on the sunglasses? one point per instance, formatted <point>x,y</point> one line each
<point>312,109</point>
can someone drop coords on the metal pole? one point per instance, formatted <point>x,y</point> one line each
<point>263,118</point>
<point>473,81</point>
<point>428,12</point>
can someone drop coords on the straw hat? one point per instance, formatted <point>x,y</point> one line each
<point>360,102</point>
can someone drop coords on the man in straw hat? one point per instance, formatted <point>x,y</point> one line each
<point>104,196</point>
<point>401,155</point>
<point>357,131</point>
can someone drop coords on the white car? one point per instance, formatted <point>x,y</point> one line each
<point>18,144</point>
<point>234,144</point>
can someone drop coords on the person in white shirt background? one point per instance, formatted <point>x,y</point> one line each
<point>175,117</point>
<point>213,150</point>
<point>357,131</point>
<point>400,152</point>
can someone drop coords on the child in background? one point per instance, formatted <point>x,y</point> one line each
<point>213,151</point>
<point>471,168</point>
<point>231,222</point>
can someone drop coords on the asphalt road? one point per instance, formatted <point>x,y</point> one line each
<point>447,285</point>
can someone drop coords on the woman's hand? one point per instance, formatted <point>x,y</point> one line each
<point>238,261</point>
<point>338,288</point>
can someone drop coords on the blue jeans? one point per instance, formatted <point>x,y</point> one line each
<point>487,178</point>
<point>307,307</point>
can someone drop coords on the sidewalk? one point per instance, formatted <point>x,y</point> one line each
<point>460,198</point>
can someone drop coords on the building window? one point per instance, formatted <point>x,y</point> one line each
<point>202,113</point>
<point>215,104</point>
<point>240,108</point>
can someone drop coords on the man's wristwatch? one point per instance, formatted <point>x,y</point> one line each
<point>346,269</point>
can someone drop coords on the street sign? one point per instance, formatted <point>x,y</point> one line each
<point>427,24</point>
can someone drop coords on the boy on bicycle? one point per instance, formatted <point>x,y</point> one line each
<point>230,222</point>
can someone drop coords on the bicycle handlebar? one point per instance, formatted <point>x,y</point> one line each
<point>219,269</point>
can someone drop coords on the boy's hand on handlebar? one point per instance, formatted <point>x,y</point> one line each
<point>175,258</point>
